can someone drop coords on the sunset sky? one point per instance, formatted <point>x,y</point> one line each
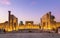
<point>29,9</point>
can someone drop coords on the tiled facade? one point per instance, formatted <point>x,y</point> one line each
<point>48,22</point>
<point>13,21</point>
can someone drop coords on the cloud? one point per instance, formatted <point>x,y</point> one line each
<point>5,2</point>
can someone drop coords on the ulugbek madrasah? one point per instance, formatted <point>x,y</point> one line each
<point>47,23</point>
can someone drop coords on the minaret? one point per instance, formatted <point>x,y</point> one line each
<point>9,16</point>
<point>50,23</point>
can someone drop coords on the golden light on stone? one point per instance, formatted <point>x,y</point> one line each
<point>47,23</point>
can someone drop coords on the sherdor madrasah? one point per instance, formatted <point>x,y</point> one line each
<point>47,23</point>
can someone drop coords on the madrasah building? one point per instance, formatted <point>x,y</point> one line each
<point>47,23</point>
<point>12,24</point>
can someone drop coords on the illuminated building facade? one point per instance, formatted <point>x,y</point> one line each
<point>21,23</point>
<point>13,21</point>
<point>4,26</point>
<point>29,22</point>
<point>58,24</point>
<point>29,25</point>
<point>1,25</point>
<point>47,22</point>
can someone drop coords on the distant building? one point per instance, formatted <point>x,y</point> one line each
<point>4,26</point>
<point>48,22</point>
<point>1,25</point>
<point>58,24</point>
<point>21,23</point>
<point>12,24</point>
<point>29,25</point>
<point>29,22</point>
<point>13,21</point>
